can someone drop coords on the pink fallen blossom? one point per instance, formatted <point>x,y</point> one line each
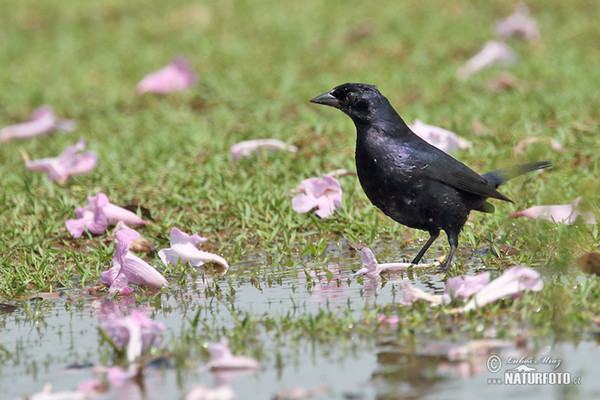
<point>323,193</point>
<point>183,248</point>
<point>372,269</point>
<point>128,268</point>
<point>222,358</point>
<point>175,77</point>
<point>47,394</point>
<point>91,386</point>
<point>117,377</point>
<point>247,147</point>
<point>441,138</point>
<point>493,52</point>
<point>523,144</point>
<point>136,332</point>
<point>336,173</point>
<point>200,392</point>
<point>512,282</point>
<point>43,122</point>
<point>518,24</point>
<point>463,287</point>
<point>69,162</point>
<point>560,214</point>
<point>388,320</point>
<point>98,213</point>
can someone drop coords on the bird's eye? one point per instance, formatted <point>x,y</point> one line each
<point>352,98</point>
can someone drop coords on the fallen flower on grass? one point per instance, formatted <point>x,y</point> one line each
<point>43,122</point>
<point>441,138</point>
<point>139,245</point>
<point>68,163</point>
<point>128,268</point>
<point>493,52</point>
<point>336,173</point>
<point>512,282</point>
<point>222,358</point>
<point>183,248</point>
<point>98,213</point>
<point>518,24</point>
<point>323,193</point>
<point>523,144</point>
<point>135,332</point>
<point>247,147</point>
<point>175,77</point>
<point>560,214</point>
<point>372,269</point>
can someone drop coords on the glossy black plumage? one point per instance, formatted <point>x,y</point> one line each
<point>411,181</point>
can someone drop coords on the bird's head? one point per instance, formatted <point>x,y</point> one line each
<point>360,101</point>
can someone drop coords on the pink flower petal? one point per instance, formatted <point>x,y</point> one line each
<point>443,139</point>
<point>98,214</point>
<point>222,358</point>
<point>43,122</point>
<point>175,77</point>
<point>323,193</point>
<point>493,52</point>
<point>518,24</point>
<point>247,147</point>
<point>463,287</point>
<point>372,269</point>
<point>560,214</point>
<point>66,164</point>
<point>512,281</point>
<point>183,248</point>
<point>128,268</point>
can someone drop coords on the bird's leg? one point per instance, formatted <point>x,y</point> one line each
<point>453,242</point>
<point>434,235</point>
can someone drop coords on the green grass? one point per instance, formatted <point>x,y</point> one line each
<point>258,64</point>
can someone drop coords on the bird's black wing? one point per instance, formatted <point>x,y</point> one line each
<point>436,164</point>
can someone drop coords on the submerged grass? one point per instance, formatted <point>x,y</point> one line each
<point>258,64</point>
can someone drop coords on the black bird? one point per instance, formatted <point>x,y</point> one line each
<point>411,181</point>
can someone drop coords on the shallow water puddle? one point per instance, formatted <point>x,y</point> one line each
<point>284,315</point>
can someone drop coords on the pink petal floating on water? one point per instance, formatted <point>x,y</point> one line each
<point>324,193</point>
<point>128,268</point>
<point>98,213</point>
<point>43,122</point>
<point>200,392</point>
<point>91,386</point>
<point>68,163</point>
<point>511,282</point>
<point>493,52</point>
<point>117,377</point>
<point>372,269</point>
<point>518,24</point>
<point>441,138</point>
<point>247,147</point>
<point>463,287</point>
<point>222,358</point>
<point>46,394</point>
<point>135,331</point>
<point>388,320</point>
<point>183,248</point>
<point>560,214</point>
<point>175,77</point>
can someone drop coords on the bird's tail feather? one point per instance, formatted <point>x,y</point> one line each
<point>503,175</point>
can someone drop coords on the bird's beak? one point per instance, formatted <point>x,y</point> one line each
<point>326,99</point>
